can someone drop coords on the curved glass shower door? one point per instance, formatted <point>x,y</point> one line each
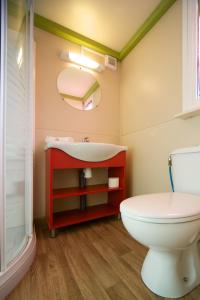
<point>18,142</point>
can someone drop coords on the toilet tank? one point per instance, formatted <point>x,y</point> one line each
<point>186,170</point>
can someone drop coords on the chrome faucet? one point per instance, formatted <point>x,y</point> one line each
<point>86,139</point>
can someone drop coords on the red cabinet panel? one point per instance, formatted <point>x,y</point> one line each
<point>57,159</point>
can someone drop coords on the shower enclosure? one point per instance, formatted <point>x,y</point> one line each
<point>17,241</point>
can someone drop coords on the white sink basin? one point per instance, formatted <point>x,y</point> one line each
<point>90,151</point>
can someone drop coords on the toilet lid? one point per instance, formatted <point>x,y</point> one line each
<point>162,206</point>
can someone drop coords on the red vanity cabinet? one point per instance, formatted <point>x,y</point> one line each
<point>57,159</point>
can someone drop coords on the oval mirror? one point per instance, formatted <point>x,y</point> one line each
<point>79,88</point>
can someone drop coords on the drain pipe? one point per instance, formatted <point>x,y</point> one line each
<point>82,184</point>
<point>170,173</point>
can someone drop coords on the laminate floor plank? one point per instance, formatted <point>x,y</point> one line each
<point>126,275</point>
<point>97,263</point>
<point>133,260</point>
<point>97,260</point>
<point>89,285</point>
<point>112,239</point>
<point>125,238</point>
<point>119,291</point>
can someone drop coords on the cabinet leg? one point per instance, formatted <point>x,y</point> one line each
<point>119,216</point>
<point>52,233</point>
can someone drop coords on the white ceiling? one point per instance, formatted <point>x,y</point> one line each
<point>110,22</point>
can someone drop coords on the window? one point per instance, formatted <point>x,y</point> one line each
<point>198,52</point>
<point>191,56</point>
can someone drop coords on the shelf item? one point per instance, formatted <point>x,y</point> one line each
<point>58,160</point>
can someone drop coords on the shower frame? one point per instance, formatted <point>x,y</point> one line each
<point>12,272</point>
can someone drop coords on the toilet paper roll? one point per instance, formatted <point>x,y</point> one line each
<point>113,182</point>
<point>87,173</point>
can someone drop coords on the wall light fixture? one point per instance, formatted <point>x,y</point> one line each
<point>80,60</point>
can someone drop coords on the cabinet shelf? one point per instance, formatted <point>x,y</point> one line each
<point>76,191</point>
<point>58,160</point>
<point>75,216</point>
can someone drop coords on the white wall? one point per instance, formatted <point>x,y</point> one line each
<point>150,96</point>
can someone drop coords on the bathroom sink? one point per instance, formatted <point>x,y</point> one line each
<point>90,151</point>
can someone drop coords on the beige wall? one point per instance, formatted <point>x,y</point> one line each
<point>55,117</point>
<point>150,96</point>
<point>150,90</point>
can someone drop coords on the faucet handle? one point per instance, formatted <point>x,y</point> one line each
<point>86,139</point>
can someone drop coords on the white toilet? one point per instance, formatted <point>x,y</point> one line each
<point>169,225</point>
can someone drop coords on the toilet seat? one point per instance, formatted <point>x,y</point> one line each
<point>162,208</point>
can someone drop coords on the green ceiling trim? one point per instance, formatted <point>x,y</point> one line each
<point>72,36</point>
<point>91,90</point>
<point>71,97</point>
<point>155,16</point>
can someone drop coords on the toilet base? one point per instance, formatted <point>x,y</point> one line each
<point>172,273</point>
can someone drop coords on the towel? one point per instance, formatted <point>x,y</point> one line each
<point>61,139</point>
<point>54,141</point>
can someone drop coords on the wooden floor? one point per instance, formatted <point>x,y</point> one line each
<point>93,261</point>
